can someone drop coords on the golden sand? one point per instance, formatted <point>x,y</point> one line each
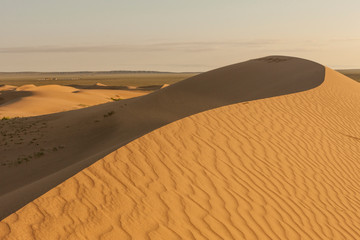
<point>285,167</point>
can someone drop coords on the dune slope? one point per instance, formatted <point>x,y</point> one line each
<point>284,167</point>
<point>39,153</point>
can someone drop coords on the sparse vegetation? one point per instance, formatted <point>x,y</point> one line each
<point>16,162</point>
<point>8,118</point>
<point>83,105</point>
<point>109,114</point>
<point>39,154</point>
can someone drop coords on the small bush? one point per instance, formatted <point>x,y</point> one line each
<point>38,154</point>
<point>109,114</point>
<point>20,160</point>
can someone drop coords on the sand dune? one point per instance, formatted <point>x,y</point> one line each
<point>39,153</point>
<point>249,161</point>
<point>30,100</point>
<point>7,87</point>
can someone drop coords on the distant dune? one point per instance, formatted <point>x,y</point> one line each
<point>110,78</point>
<point>30,100</point>
<point>265,149</point>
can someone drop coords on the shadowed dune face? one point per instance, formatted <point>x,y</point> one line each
<point>10,96</point>
<point>277,168</point>
<point>83,136</point>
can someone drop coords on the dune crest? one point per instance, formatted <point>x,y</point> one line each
<point>276,168</point>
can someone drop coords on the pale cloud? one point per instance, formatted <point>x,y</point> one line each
<point>153,47</point>
<point>175,56</point>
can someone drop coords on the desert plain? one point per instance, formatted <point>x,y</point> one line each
<point>264,149</point>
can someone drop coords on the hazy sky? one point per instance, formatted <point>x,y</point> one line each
<point>182,35</point>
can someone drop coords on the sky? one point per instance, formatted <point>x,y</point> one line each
<point>174,35</point>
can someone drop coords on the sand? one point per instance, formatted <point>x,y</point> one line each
<point>31,100</point>
<point>274,167</point>
<point>38,153</point>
